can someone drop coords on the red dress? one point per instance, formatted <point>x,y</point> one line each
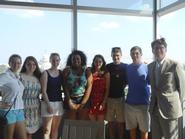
<point>97,94</point>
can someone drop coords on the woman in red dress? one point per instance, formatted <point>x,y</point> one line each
<point>100,89</point>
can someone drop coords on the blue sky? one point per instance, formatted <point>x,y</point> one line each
<point>38,33</point>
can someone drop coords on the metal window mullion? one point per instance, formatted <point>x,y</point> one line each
<point>154,19</point>
<point>74,25</point>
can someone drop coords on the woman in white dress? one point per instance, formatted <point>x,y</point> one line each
<point>30,76</point>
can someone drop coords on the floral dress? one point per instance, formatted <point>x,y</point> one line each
<point>97,94</point>
<point>31,102</point>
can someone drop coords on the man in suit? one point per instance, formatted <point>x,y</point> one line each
<point>167,79</point>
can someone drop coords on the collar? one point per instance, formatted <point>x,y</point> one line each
<point>160,62</point>
<point>12,74</point>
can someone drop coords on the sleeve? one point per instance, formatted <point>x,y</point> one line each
<point>3,79</point>
<point>180,80</point>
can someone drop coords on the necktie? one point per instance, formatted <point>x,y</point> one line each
<point>157,73</point>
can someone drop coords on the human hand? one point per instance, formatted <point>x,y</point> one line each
<point>73,106</point>
<point>49,109</point>
<point>102,106</point>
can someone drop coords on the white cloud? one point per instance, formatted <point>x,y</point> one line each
<point>106,26</point>
<point>24,13</point>
<point>146,7</point>
<point>31,13</point>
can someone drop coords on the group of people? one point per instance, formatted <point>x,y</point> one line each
<point>95,93</point>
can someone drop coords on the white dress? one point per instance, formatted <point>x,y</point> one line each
<point>31,102</point>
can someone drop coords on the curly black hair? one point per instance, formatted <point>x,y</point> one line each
<point>77,52</point>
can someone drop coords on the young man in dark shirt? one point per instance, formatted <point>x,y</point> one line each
<point>116,98</point>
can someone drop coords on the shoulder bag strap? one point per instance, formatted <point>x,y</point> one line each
<point>10,106</point>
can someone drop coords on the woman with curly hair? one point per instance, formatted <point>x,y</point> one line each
<point>77,85</point>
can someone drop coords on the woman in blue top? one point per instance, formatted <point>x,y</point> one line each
<point>52,105</point>
<point>77,85</point>
<point>137,101</point>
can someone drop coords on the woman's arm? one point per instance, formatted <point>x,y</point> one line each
<point>107,86</point>
<point>65,86</point>
<point>88,87</point>
<point>43,81</point>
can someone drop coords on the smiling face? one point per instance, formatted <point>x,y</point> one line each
<point>54,60</point>
<point>76,61</point>
<point>159,51</point>
<point>15,64</point>
<point>98,62</point>
<point>136,56</point>
<point>30,66</point>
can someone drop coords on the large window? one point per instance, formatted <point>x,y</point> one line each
<point>171,26</point>
<point>34,32</point>
<point>98,33</point>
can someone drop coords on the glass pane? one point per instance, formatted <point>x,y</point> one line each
<point>36,33</point>
<point>98,33</point>
<point>67,2</point>
<point>171,27</point>
<point>165,3</point>
<point>121,4</point>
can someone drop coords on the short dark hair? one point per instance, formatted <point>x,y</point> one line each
<point>136,48</point>
<point>12,57</point>
<point>116,49</point>
<point>160,41</point>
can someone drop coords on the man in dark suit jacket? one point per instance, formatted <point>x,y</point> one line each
<point>167,79</point>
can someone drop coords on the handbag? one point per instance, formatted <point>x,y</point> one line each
<point>3,120</point>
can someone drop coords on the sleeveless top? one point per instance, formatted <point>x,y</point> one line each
<point>98,89</point>
<point>76,83</point>
<point>54,87</point>
<point>97,94</point>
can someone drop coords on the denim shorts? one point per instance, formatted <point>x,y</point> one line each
<point>14,116</point>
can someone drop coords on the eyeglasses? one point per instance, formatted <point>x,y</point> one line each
<point>159,47</point>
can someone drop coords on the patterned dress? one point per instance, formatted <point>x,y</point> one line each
<point>97,94</point>
<point>31,102</point>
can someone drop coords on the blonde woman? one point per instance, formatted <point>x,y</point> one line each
<point>52,106</point>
